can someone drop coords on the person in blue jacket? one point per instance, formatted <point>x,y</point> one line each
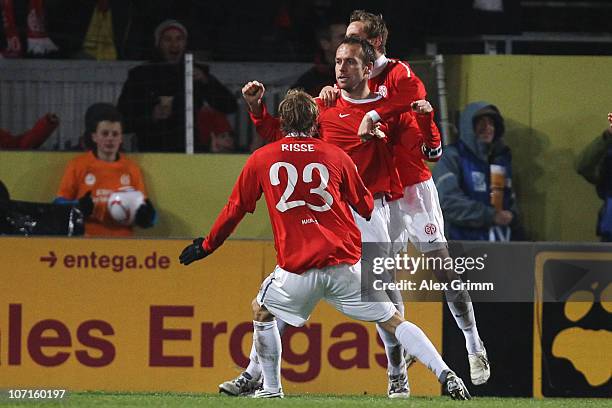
<point>472,209</point>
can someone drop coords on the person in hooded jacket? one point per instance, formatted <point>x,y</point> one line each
<point>594,163</point>
<point>474,179</point>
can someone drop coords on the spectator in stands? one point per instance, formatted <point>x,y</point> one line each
<point>214,132</point>
<point>91,177</point>
<point>32,138</point>
<point>323,72</point>
<point>474,179</point>
<point>153,97</point>
<point>595,165</point>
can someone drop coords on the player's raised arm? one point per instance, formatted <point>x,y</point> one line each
<point>253,92</point>
<point>432,142</point>
<point>267,126</point>
<point>243,199</point>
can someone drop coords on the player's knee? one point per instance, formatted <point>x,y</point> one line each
<point>442,274</point>
<point>391,324</point>
<point>260,313</point>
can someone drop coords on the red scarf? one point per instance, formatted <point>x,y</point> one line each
<point>39,42</point>
<point>13,44</point>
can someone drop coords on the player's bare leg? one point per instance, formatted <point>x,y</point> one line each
<point>418,344</point>
<point>460,305</point>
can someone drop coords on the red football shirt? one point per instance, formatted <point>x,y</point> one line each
<point>338,125</point>
<point>399,86</point>
<point>308,185</point>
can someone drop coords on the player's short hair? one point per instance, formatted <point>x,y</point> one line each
<point>298,113</point>
<point>368,55</point>
<point>373,25</point>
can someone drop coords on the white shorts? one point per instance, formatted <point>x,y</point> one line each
<point>377,229</point>
<point>417,217</point>
<point>292,297</point>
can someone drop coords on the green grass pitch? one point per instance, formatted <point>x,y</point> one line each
<point>171,400</point>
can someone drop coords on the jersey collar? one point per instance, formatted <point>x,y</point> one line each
<point>368,100</point>
<point>379,65</point>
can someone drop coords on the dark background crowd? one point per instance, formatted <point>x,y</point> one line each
<point>284,30</point>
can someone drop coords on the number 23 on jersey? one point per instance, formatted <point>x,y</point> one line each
<point>284,203</point>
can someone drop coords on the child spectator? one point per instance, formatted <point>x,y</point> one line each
<point>91,177</point>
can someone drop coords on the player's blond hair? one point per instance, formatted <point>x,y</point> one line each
<point>373,26</point>
<point>298,113</point>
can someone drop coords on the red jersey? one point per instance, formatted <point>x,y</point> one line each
<point>308,185</point>
<point>338,125</point>
<point>399,87</point>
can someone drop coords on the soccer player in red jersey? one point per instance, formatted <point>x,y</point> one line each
<point>419,208</point>
<point>309,185</point>
<point>338,124</point>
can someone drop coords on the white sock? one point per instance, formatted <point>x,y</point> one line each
<point>418,344</point>
<point>463,312</point>
<point>395,353</point>
<point>269,349</point>
<point>254,368</point>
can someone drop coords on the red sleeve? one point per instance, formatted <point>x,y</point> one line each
<point>267,126</point>
<point>431,134</point>
<point>420,130</point>
<point>354,191</point>
<point>33,138</point>
<point>243,199</point>
<point>406,88</point>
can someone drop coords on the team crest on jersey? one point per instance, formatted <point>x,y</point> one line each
<point>430,229</point>
<point>382,90</point>
<point>90,179</point>
<point>125,180</point>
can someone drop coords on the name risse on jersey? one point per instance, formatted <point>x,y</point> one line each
<point>297,147</point>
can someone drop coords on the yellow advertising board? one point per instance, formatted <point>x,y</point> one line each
<point>572,339</point>
<point>123,315</point>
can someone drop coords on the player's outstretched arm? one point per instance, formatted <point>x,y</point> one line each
<point>193,252</point>
<point>243,199</point>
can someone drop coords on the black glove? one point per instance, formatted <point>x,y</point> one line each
<point>145,215</point>
<point>86,204</point>
<point>193,252</point>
